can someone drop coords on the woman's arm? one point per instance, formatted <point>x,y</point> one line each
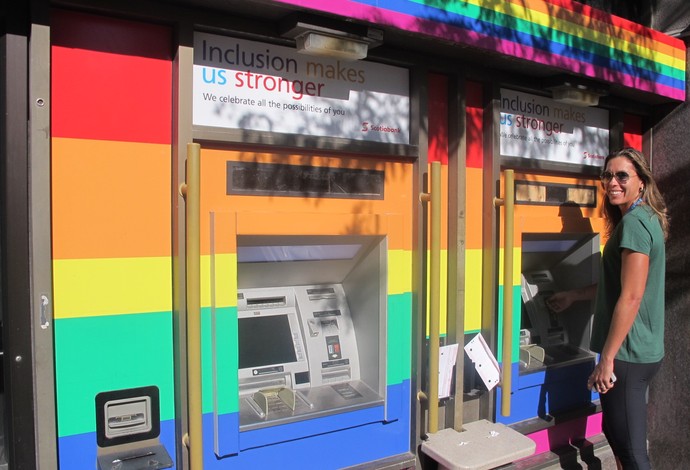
<point>562,300</point>
<point>634,270</point>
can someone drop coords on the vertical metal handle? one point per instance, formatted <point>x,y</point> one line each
<point>434,199</point>
<point>508,203</point>
<point>192,194</point>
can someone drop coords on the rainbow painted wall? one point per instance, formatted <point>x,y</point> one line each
<point>559,33</point>
<point>438,151</point>
<point>111,220</point>
<point>112,203</point>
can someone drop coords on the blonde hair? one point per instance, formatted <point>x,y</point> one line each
<point>650,195</point>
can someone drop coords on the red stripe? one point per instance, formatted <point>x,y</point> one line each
<point>632,131</point>
<point>438,118</point>
<point>106,86</point>
<point>475,115</point>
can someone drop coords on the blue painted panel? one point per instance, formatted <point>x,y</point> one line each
<point>78,452</point>
<point>334,442</point>
<point>300,429</point>
<point>549,391</point>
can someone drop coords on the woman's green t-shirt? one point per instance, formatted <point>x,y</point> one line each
<point>639,231</point>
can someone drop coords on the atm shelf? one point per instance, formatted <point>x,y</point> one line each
<point>559,355</point>
<point>309,403</point>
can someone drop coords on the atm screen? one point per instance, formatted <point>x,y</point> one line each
<point>265,340</point>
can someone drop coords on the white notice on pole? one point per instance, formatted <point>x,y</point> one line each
<point>447,357</point>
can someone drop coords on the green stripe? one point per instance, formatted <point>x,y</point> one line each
<point>517,311</point>
<point>105,353</point>
<point>399,336</point>
<point>226,360</point>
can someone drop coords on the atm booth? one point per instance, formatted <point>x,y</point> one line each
<point>306,309</point>
<point>554,355</point>
<point>299,345</point>
<point>553,263</point>
<point>558,235</point>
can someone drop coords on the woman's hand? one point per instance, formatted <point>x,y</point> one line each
<point>560,301</point>
<point>601,379</point>
<point>564,299</point>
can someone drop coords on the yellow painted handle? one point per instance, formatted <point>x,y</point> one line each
<point>434,198</point>
<point>192,193</point>
<point>508,204</point>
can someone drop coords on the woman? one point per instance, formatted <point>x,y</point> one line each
<point>628,327</point>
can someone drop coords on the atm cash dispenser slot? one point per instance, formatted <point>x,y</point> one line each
<point>298,355</point>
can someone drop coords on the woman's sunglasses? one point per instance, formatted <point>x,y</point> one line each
<point>621,176</point>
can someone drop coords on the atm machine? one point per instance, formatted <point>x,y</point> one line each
<point>310,323</point>
<point>552,263</point>
<point>554,355</point>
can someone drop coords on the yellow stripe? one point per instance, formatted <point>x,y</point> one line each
<point>517,265</point>
<point>473,290</point>
<point>399,272</point>
<point>111,286</point>
<point>443,323</point>
<point>225,277</point>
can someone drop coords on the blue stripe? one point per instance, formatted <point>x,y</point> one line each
<point>78,452</point>
<point>330,442</point>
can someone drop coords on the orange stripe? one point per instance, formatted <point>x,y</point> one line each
<point>547,211</point>
<point>473,210</point>
<point>110,199</point>
<point>444,206</point>
<point>348,213</point>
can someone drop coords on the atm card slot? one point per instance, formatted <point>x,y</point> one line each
<point>327,313</point>
<point>321,293</point>
<point>333,364</point>
<point>266,302</point>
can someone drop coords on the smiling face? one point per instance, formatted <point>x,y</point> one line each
<point>621,194</point>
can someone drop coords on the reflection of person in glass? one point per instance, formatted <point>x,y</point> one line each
<point>628,328</point>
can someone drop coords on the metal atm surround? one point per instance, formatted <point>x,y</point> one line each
<point>334,313</point>
<point>552,263</point>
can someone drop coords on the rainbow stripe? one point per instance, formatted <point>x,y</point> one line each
<point>111,145</point>
<point>558,33</point>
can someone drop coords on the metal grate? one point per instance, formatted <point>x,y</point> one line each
<point>555,194</point>
<point>303,180</point>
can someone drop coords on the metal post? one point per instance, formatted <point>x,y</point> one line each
<point>191,191</point>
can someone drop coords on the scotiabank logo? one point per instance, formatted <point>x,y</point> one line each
<point>366,127</point>
<point>593,156</point>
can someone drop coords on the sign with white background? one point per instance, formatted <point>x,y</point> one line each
<point>540,128</point>
<point>240,84</point>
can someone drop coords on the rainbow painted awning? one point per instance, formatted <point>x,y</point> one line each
<point>559,33</point>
